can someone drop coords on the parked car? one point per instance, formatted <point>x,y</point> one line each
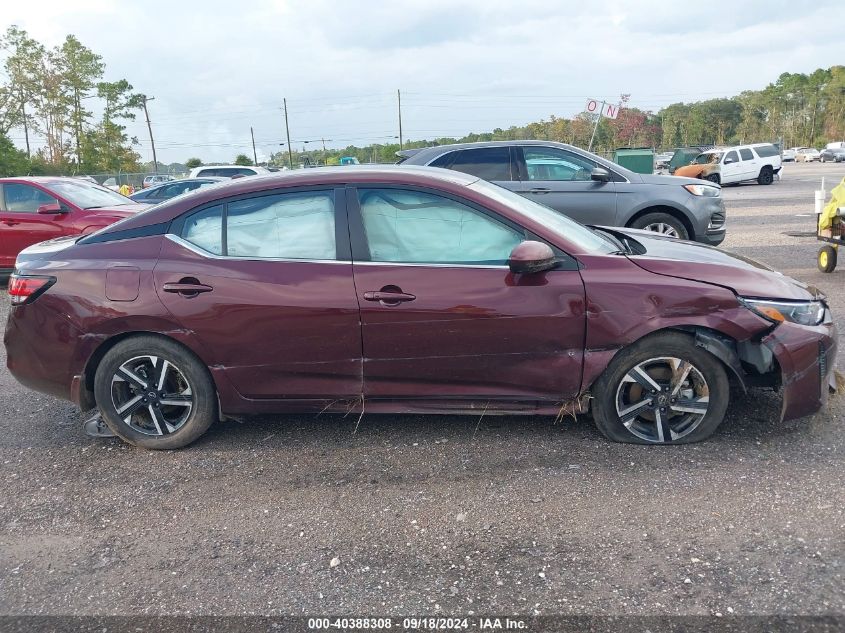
<point>834,155</point>
<point>661,161</point>
<point>111,183</point>
<point>157,179</point>
<point>706,166</point>
<point>35,209</point>
<point>788,156</point>
<point>807,155</point>
<point>683,156</point>
<point>159,193</point>
<point>226,171</point>
<point>741,163</point>
<point>587,187</point>
<point>835,145</point>
<point>267,294</point>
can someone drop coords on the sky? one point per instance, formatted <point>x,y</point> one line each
<point>218,68</point>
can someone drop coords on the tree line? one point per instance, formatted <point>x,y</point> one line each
<point>51,93</point>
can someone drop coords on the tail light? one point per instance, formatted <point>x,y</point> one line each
<point>26,289</point>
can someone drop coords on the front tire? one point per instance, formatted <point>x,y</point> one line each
<point>662,223</point>
<point>827,258</point>
<point>766,176</point>
<point>661,390</point>
<point>154,393</point>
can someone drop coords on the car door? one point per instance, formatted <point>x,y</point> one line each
<point>442,315</point>
<point>731,167</point>
<point>265,283</point>
<point>494,164</point>
<point>562,180</point>
<point>20,223</point>
<point>750,163</point>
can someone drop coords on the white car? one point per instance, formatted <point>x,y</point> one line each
<point>760,162</point>
<point>158,179</point>
<point>226,171</point>
<point>788,156</point>
<point>807,155</point>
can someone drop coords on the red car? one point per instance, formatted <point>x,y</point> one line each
<point>395,290</point>
<point>36,209</point>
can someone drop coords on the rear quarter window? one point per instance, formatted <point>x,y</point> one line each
<point>764,151</point>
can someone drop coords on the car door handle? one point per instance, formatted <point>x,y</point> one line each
<point>539,190</point>
<point>388,298</point>
<point>189,289</point>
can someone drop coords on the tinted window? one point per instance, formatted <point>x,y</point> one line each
<point>731,156</point>
<point>25,198</point>
<point>417,227</point>
<point>548,163</point>
<point>205,229</point>
<point>746,154</point>
<point>286,226</point>
<point>764,151</point>
<point>208,172</point>
<point>489,163</point>
<point>443,161</point>
<point>246,172</point>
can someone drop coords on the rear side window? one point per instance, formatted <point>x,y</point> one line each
<point>764,151</point>
<point>208,172</point>
<point>489,163</point>
<point>746,154</point>
<point>205,229</point>
<point>286,226</point>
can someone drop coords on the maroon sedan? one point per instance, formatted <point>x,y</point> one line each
<point>395,290</point>
<point>36,209</point>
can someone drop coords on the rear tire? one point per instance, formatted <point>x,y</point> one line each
<point>661,390</point>
<point>662,223</point>
<point>827,258</point>
<point>766,176</point>
<point>154,393</point>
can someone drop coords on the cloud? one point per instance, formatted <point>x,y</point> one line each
<point>220,67</point>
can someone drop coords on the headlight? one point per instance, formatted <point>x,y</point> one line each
<point>708,191</point>
<point>800,312</point>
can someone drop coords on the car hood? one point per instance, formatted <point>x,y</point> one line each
<point>675,181</point>
<point>698,262</point>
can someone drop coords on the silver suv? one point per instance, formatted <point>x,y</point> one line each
<point>587,187</point>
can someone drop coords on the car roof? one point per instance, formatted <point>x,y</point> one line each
<point>45,180</point>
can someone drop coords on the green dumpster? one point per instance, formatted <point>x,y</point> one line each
<point>637,159</point>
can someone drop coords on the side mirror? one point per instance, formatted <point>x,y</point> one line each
<point>729,160</point>
<point>531,257</point>
<point>52,208</point>
<point>600,174</point>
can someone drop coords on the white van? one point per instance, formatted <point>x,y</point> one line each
<point>759,161</point>
<point>226,171</point>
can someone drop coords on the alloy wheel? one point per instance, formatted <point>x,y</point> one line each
<point>152,395</point>
<point>662,228</point>
<point>662,399</point>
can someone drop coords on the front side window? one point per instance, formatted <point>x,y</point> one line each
<point>549,163</point>
<point>746,154</point>
<point>489,163</point>
<point>731,157</point>
<point>417,227</point>
<point>22,198</point>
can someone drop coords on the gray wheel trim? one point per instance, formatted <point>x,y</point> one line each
<point>662,228</point>
<point>664,401</point>
<point>149,396</point>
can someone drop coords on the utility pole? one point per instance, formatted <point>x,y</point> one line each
<point>399,98</point>
<point>287,131</point>
<point>254,155</point>
<point>145,98</point>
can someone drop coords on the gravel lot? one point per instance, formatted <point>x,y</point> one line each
<point>440,514</point>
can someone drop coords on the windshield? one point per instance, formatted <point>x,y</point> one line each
<point>710,157</point>
<point>87,196</point>
<point>586,238</point>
